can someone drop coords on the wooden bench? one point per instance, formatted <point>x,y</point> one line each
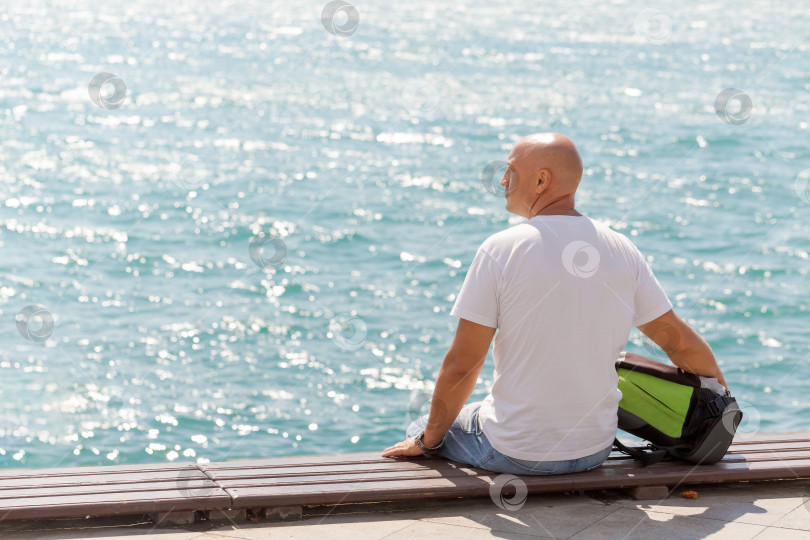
<point>282,487</point>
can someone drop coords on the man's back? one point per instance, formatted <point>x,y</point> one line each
<point>564,293</point>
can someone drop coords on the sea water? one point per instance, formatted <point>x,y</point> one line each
<point>236,229</point>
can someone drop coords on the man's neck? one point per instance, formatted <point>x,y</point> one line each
<point>561,206</point>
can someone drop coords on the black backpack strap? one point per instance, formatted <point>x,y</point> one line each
<point>719,403</point>
<point>648,455</point>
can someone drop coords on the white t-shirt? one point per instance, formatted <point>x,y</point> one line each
<point>564,293</point>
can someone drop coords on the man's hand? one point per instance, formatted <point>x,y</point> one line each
<point>406,448</point>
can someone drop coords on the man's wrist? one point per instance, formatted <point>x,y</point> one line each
<point>423,445</point>
<point>431,441</point>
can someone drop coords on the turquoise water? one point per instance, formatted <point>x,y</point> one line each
<point>353,164</point>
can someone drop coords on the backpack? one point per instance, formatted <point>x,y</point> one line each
<point>677,412</point>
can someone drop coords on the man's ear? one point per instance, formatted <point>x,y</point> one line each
<point>543,180</point>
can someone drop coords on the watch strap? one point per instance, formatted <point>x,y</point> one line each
<point>417,439</point>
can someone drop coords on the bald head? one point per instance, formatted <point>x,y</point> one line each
<point>543,175</point>
<point>555,152</point>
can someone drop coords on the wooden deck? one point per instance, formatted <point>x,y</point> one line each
<point>287,484</point>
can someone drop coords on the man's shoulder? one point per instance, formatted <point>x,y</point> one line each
<point>604,225</point>
<point>618,242</point>
<point>611,234</point>
<point>507,237</point>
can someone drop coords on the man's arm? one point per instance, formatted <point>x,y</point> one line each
<point>683,345</point>
<point>454,385</point>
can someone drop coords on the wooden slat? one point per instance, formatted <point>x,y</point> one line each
<point>317,480</point>
<point>102,504</point>
<point>89,471</point>
<point>776,455</point>
<point>738,448</point>
<point>306,461</point>
<point>281,463</point>
<point>769,438</point>
<point>281,470</point>
<point>11,483</point>
<point>120,491</point>
<point>766,443</point>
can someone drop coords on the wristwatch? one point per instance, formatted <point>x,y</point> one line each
<point>426,449</point>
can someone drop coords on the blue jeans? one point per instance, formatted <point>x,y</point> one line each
<point>466,443</point>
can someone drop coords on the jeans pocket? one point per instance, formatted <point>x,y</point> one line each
<point>489,458</point>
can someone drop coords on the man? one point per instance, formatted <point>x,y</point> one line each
<point>563,292</point>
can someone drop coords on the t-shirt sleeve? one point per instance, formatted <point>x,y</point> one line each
<point>478,299</point>
<point>650,301</point>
